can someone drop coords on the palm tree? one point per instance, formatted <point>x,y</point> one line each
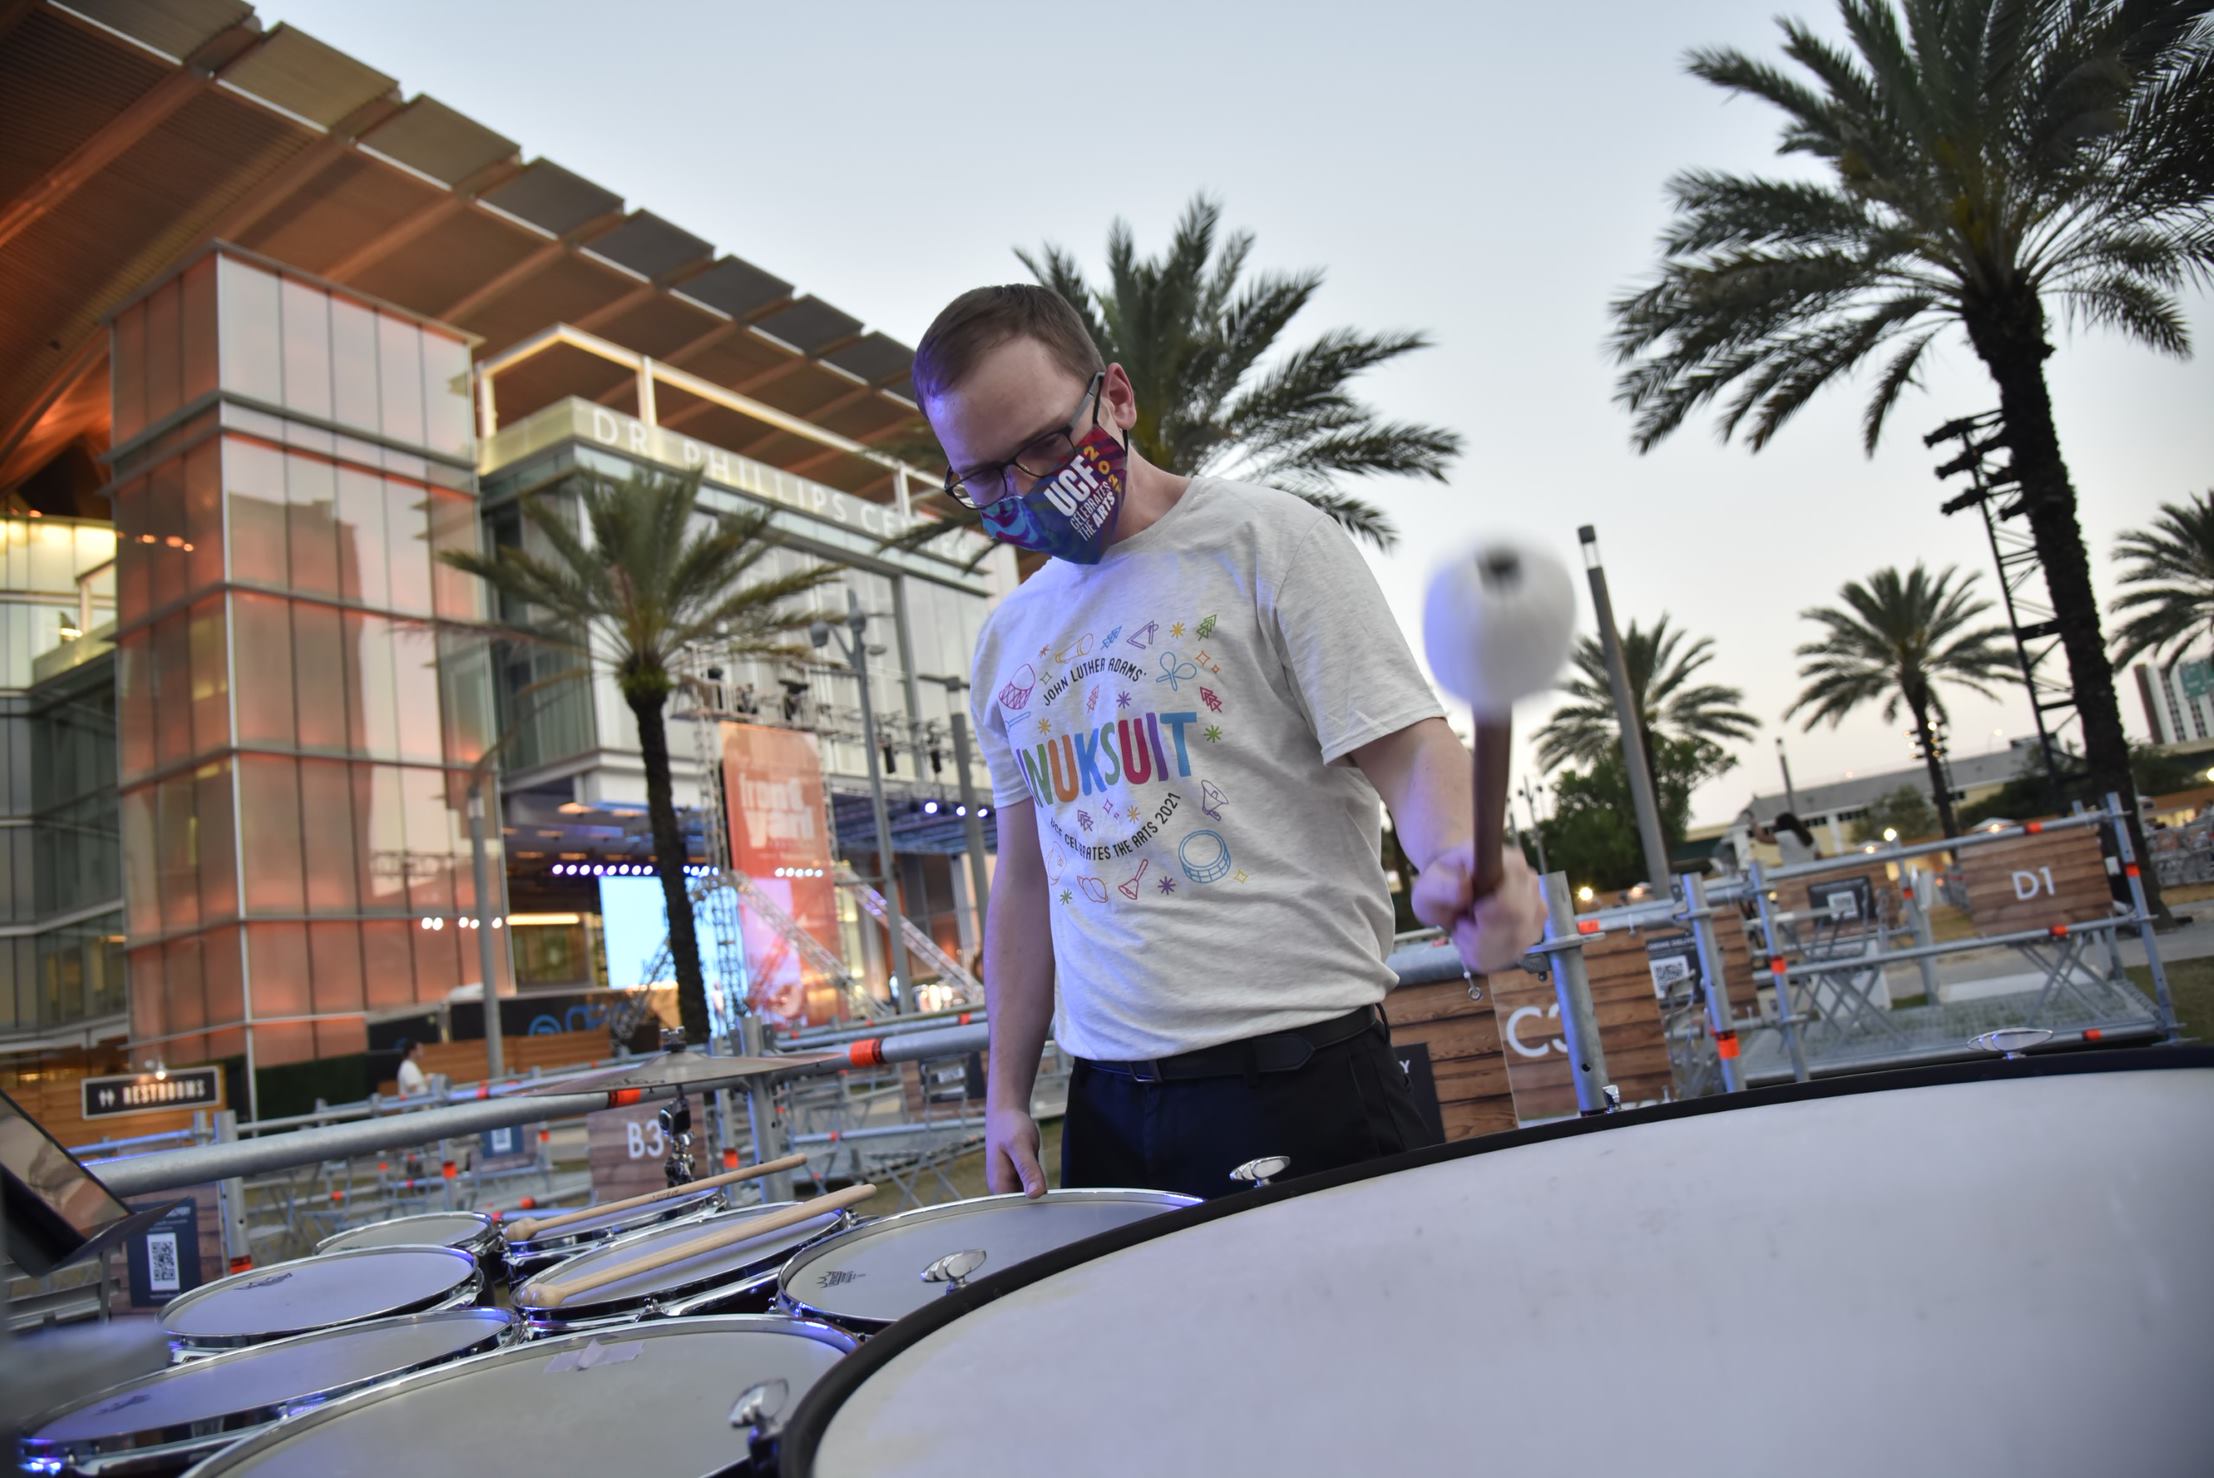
<point>2170,569</point>
<point>1191,328</point>
<point>1979,160</point>
<point>1895,639</point>
<point>631,591</point>
<point>1661,672</point>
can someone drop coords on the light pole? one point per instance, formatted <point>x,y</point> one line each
<point>1626,715</point>
<point>856,651</point>
<point>1791,797</point>
<point>1537,822</point>
<point>488,909</point>
<point>972,814</point>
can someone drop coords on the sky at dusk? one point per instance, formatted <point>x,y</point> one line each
<point>1488,174</point>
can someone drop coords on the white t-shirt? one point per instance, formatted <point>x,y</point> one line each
<point>412,1079</point>
<point>1176,713</point>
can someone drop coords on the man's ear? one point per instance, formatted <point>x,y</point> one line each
<point>1118,399</point>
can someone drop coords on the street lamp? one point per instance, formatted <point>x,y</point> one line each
<point>1584,894</point>
<point>856,652</point>
<point>1891,833</point>
<point>969,809</point>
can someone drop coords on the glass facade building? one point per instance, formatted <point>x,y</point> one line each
<point>288,459</point>
<point>60,871</point>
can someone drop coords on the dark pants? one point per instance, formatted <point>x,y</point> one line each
<point>1348,1103</point>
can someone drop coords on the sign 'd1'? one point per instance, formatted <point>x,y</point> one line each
<point>2030,884</point>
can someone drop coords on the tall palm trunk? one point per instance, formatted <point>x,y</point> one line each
<point>1941,791</point>
<point>668,864</point>
<point>2009,336</point>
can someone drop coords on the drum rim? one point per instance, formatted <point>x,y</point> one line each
<point>504,1328</point>
<point>768,1265</point>
<point>798,1262</point>
<point>475,1275</point>
<point>803,1434</point>
<point>485,1225</point>
<point>563,1240</point>
<point>258,1442</point>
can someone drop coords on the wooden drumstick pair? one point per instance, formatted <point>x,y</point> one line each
<point>552,1295</point>
<point>529,1227</point>
<point>1497,625</point>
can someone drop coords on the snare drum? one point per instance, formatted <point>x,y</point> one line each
<point>471,1231</point>
<point>863,1279</point>
<point>1917,1272</point>
<point>533,1255</point>
<point>321,1292</point>
<point>164,1422</point>
<point>655,1398</point>
<point>739,1279</point>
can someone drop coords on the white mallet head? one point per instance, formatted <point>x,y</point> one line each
<point>1498,622</point>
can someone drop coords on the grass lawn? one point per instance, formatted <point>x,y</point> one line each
<point>2191,984</point>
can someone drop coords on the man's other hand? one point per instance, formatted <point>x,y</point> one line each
<point>1011,1153</point>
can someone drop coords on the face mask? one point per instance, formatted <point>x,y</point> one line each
<point>1071,513</point>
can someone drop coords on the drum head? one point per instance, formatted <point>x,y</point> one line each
<point>655,1399</point>
<point>255,1385</point>
<point>317,1292</point>
<point>873,1274</point>
<point>1849,1278</point>
<point>434,1229</point>
<point>604,1224</point>
<point>723,1265</point>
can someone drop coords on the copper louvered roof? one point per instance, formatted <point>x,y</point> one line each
<point>134,131</point>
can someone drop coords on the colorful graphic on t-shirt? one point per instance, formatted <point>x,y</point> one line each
<point>1113,781</point>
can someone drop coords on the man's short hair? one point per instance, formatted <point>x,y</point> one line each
<point>984,318</point>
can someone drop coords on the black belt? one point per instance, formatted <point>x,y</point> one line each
<point>1277,1052</point>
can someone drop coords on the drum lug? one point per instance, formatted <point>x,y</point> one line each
<point>757,1409</point>
<point>955,1268</point>
<point>1258,1173</point>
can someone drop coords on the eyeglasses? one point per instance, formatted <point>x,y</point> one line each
<point>1037,460</point>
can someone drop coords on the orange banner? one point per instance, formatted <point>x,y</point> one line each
<point>780,837</point>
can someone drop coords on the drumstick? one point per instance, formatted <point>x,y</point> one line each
<point>524,1230</point>
<point>1497,624</point>
<point>553,1295</point>
<point>1494,746</point>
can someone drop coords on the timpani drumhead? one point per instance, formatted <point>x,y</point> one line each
<point>756,1255</point>
<point>646,1399</point>
<point>464,1229</point>
<point>2002,1269</point>
<point>318,1292</point>
<point>194,1404</point>
<point>867,1277</point>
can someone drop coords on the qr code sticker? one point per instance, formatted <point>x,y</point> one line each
<point>161,1262</point>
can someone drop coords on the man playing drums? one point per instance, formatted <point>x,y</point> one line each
<point>1190,713</point>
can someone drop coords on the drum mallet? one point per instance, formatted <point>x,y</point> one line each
<point>552,1295</point>
<point>1497,625</point>
<point>524,1230</point>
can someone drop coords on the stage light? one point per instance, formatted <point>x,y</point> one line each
<point>960,810</point>
<point>930,807</point>
<point>1584,894</point>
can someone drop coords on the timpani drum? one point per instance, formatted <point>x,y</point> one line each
<point>528,1256</point>
<point>861,1280</point>
<point>1999,1268</point>
<point>737,1279</point>
<point>652,1399</point>
<point>471,1231</point>
<point>166,1421</point>
<point>320,1292</point>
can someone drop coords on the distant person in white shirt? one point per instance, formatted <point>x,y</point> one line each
<point>413,1080</point>
<point>1793,840</point>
